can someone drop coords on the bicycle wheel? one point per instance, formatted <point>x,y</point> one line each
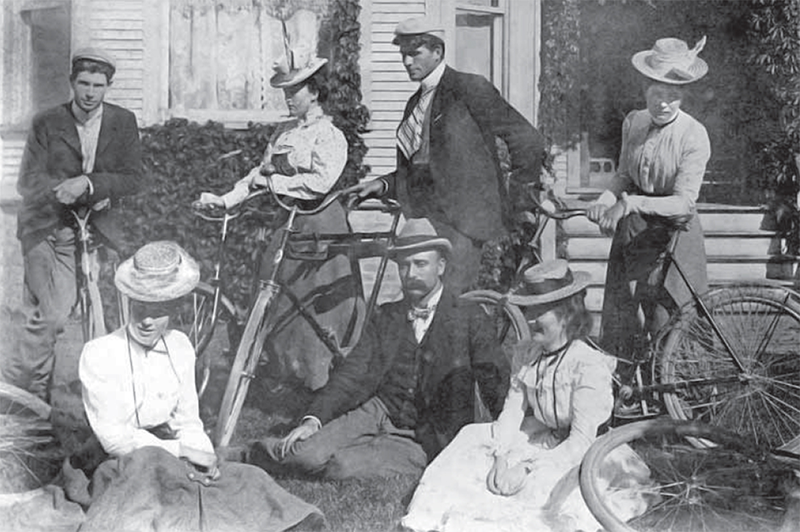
<point>30,455</point>
<point>199,320</point>
<point>724,487</point>
<point>762,325</point>
<point>511,329</point>
<point>243,368</point>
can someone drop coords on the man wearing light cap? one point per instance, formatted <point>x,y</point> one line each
<point>448,168</point>
<point>79,153</point>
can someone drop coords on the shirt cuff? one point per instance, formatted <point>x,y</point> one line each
<point>607,198</point>
<point>633,204</point>
<point>315,419</point>
<point>385,186</point>
<point>90,184</point>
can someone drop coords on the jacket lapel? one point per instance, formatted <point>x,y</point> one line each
<point>66,129</point>
<point>443,96</point>
<point>107,127</point>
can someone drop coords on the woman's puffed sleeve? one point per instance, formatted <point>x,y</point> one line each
<point>108,402</point>
<point>186,417</point>
<point>318,174</point>
<point>506,429</point>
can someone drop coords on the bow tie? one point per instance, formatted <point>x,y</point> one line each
<point>420,313</point>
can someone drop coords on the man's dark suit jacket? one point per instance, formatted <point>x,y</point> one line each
<point>458,350</point>
<point>466,190</point>
<point>53,154</point>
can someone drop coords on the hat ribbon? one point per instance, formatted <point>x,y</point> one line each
<point>413,240</point>
<point>545,286</point>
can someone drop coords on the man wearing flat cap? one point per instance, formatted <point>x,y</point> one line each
<point>80,153</point>
<point>407,387</point>
<point>447,161</point>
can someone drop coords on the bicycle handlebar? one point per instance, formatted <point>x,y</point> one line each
<point>216,214</point>
<point>549,209</point>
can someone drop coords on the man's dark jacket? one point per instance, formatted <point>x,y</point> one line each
<point>467,188</point>
<point>53,154</point>
<point>458,350</point>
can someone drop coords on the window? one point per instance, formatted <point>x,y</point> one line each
<point>221,57</point>
<point>480,40</point>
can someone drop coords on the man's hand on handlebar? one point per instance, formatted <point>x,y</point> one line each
<point>361,191</point>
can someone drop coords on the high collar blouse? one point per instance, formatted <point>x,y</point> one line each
<point>662,161</point>
<point>570,395</point>
<point>128,389</point>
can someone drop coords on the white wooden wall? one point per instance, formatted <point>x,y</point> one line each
<point>387,87</point>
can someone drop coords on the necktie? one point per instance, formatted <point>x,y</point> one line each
<point>409,134</point>
<point>420,313</point>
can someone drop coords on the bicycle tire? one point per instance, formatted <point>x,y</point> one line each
<point>512,330</point>
<point>762,325</point>
<point>30,455</point>
<point>727,486</point>
<point>243,367</point>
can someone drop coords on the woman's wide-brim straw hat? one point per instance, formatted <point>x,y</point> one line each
<point>548,282</point>
<point>671,61</point>
<point>299,62</point>
<point>418,234</point>
<point>158,271</point>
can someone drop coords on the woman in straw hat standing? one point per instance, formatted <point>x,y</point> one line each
<point>520,473</point>
<point>303,162</point>
<point>139,397</point>
<point>661,167</point>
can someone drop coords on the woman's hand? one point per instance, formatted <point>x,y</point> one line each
<point>207,198</point>
<point>207,463</point>
<point>505,480</point>
<point>595,212</point>
<point>608,222</point>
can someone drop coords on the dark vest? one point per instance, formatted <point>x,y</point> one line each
<point>398,389</point>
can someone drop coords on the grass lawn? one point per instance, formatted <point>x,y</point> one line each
<point>349,505</point>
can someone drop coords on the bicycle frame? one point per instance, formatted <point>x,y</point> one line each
<point>635,387</point>
<point>89,299</point>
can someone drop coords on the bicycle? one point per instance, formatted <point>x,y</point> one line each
<point>89,300</point>
<point>728,484</point>
<point>726,358</point>
<point>30,454</point>
<point>255,328</point>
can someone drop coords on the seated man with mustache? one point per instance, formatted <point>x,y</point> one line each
<point>407,387</point>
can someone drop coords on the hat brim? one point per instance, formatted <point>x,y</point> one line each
<point>282,80</point>
<point>580,280</point>
<point>154,289</point>
<point>698,69</point>
<point>424,245</point>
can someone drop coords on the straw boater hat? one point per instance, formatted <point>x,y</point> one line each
<point>671,61</point>
<point>158,271</point>
<point>417,235</point>
<point>300,46</point>
<point>547,282</point>
<point>417,26</point>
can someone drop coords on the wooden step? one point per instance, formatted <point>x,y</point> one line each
<point>714,219</point>
<point>731,269</point>
<point>750,245</point>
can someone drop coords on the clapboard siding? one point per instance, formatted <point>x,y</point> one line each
<point>390,87</point>
<point>12,147</point>
<point>119,27</point>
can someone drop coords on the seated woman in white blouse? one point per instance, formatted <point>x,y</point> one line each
<point>520,473</point>
<point>139,396</point>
